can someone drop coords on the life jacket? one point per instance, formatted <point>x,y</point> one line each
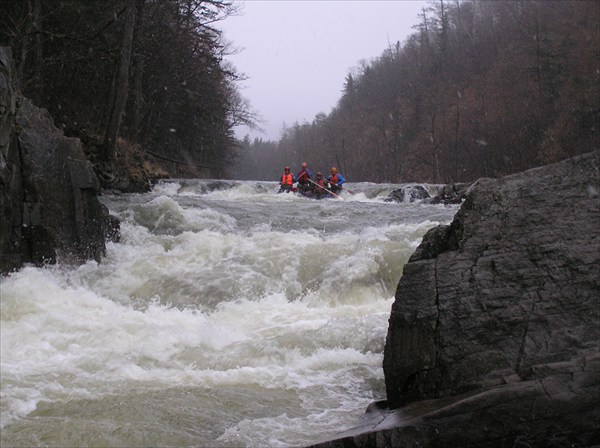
<point>320,186</point>
<point>303,176</point>
<point>287,179</point>
<point>334,179</point>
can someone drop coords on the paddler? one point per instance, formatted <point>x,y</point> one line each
<point>336,180</point>
<point>320,186</point>
<point>303,178</point>
<point>286,181</point>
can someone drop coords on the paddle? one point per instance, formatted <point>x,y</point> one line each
<point>328,191</point>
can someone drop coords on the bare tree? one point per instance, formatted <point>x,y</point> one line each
<point>120,86</point>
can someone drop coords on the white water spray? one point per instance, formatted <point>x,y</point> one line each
<point>226,316</point>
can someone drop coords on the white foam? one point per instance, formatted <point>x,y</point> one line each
<point>169,188</point>
<point>197,296</point>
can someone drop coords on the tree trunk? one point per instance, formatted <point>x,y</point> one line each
<point>120,90</point>
<point>136,101</point>
<point>38,50</point>
<point>135,106</point>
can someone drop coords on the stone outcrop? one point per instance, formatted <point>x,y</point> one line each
<point>453,193</point>
<point>494,336</point>
<point>409,193</point>
<point>131,172</point>
<point>48,190</point>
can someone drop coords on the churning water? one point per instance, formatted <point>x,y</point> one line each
<point>227,315</point>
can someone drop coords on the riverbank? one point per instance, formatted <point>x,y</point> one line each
<point>48,189</point>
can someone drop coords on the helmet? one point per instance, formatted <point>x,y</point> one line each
<point>319,174</point>
<point>287,168</point>
<point>334,170</point>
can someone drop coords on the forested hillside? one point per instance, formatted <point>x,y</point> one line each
<point>482,88</point>
<point>123,72</point>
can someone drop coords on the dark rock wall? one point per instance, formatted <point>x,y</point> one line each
<point>48,190</point>
<point>11,191</point>
<point>506,291</point>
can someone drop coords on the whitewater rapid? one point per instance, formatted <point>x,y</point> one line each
<point>227,315</point>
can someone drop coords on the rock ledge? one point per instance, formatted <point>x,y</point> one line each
<point>48,190</point>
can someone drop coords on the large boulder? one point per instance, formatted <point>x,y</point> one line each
<point>494,336</point>
<point>48,190</point>
<point>508,289</point>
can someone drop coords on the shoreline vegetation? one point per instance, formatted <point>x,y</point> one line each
<point>481,89</point>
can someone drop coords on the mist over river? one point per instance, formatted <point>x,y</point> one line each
<point>227,315</point>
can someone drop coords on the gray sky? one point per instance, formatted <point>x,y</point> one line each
<point>298,53</point>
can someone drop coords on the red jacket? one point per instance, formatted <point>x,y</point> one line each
<point>320,187</point>
<point>303,176</point>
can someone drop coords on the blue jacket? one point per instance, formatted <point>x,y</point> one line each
<point>341,179</point>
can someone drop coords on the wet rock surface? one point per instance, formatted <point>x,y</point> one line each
<point>409,193</point>
<point>48,190</point>
<point>453,193</point>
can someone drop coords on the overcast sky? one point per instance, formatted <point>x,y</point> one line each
<point>297,54</point>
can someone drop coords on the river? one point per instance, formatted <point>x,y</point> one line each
<point>227,316</point>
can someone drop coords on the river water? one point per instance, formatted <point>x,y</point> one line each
<point>227,315</point>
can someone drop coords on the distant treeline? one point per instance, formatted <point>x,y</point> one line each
<point>482,88</point>
<point>150,71</point>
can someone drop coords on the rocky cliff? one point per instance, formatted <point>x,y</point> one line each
<point>48,190</point>
<point>494,336</point>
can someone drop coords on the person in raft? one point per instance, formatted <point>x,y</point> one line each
<point>336,180</point>
<point>319,188</point>
<point>286,181</point>
<point>303,178</point>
